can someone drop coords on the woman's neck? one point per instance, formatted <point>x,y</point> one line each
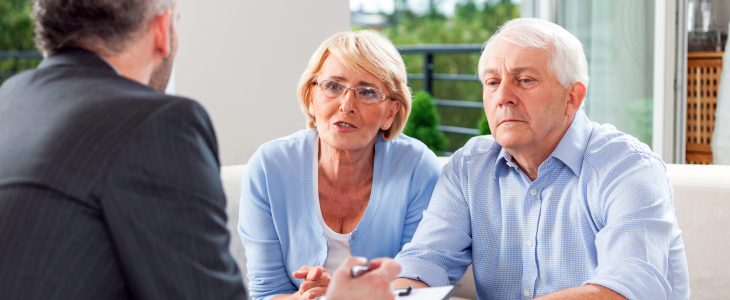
<point>346,168</point>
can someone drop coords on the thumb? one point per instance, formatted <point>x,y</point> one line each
<point>350,262</point>
<point>385,268</point>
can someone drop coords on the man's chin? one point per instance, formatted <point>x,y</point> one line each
<point>510,139</point>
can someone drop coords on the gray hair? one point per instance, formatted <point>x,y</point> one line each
<point>567,60</point>
<point>100,25</point>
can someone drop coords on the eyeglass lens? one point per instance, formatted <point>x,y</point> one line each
<point>365,94</point>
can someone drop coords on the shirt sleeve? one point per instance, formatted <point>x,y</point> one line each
<point>423,181</point>
<point>265,261</point>
<point>440,251</point>
<point>164,206</point>
<point>639,226</point>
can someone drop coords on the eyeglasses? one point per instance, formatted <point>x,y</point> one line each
<point>367,95</point>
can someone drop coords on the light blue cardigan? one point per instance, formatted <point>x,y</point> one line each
<point>278,222</point>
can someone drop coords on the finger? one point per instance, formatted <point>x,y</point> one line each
<point>324,281</point>
<point>315,273</point>
<point>348,264</point>
<point>385,268</point>
<point>302,272</point>
<point>314,293</point>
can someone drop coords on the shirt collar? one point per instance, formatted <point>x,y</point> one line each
<point>570,150</point>
<point>110,65</point>
<point>572,146</point>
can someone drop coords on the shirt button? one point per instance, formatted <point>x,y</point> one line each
<point>533,192</point>
<point>530,243</point>
<point>509,164</point>
<point>352,237</point>
<point>527,293</point>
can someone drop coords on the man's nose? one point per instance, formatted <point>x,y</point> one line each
<point>505,94</point>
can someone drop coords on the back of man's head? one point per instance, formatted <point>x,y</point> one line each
<point>101,26</point>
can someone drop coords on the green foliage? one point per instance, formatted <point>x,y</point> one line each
<point>484,126</point>
<point>16,25</point>
<point>16,34</point>
<point>423,121</point>
<point>471,23</point>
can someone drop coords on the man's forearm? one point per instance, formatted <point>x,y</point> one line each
<point>589,291</point>
<point>406,282</point>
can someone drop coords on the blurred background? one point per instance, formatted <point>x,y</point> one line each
<point>242,61</point>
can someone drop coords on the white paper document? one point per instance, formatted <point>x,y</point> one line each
<point>432,293</point>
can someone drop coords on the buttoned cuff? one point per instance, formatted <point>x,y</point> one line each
<point>633,279</point>
<point>423,270</point>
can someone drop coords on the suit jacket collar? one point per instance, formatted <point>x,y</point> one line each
<point>77,58</point>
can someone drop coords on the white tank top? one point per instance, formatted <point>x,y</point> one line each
<point>338,245</point>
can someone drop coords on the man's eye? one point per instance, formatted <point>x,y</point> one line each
<point>526,80</point>
<point>492,83</point>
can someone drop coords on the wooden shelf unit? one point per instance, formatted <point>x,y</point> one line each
<point>703,80</point>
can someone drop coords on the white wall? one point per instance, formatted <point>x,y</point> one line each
<point>242,60</point>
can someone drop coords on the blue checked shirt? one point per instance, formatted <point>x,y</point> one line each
<point>600,212</point>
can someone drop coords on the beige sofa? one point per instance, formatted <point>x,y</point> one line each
<point>701,202</point>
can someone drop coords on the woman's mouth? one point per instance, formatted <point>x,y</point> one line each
<point>344,125</point>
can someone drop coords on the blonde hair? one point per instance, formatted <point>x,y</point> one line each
<point>364,51</point>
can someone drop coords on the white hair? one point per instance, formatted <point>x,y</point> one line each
<point>567,60</point>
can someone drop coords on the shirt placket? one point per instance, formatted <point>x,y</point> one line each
<point>529,232</point>
<point>531,220</point>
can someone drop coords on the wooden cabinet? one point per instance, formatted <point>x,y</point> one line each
<point>703,80</point>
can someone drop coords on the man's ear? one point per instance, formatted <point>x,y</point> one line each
<point>161,29</point>
<point>576,97</point>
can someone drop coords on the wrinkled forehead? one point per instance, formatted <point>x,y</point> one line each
<point>506,56</point>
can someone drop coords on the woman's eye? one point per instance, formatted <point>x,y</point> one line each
<point>333,86</point>
<point>492,83</point>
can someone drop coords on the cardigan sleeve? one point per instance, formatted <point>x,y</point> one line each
<point>423,180</point>
<point>264,258</point>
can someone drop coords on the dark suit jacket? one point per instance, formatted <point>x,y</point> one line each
<point>108,189</point>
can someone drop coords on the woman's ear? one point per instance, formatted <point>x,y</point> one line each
<point>391,115</point>
<point>311,101</point>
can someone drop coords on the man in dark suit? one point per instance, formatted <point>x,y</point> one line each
<point>110,189</point>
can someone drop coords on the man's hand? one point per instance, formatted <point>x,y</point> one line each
<point>373,285</point>
<point>316,280</point>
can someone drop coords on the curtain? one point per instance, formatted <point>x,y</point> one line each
<point>618,39</point>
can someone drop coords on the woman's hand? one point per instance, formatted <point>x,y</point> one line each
<point>316,280</point>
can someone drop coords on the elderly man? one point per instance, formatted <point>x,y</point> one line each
<point>550,206</point>
<point>110,189</point>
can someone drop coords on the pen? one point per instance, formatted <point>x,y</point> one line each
<point>358,271</point>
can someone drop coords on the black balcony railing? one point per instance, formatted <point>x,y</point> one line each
<point>12,62</point>
<point>428,76</point>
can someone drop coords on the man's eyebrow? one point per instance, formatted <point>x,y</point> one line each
<point>517,70</point>
<point>520,70</point>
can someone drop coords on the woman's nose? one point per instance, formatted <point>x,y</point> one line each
<point>348,100</point>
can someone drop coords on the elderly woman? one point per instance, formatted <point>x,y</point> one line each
<point>351,185</point>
